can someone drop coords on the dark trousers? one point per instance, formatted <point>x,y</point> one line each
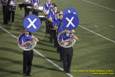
<point>35,12</point>
<point>67,58</point>
<point>5,14</point>
<point>11,16</point>
<point>51,32</point>
<point>60,51</point>
<point>27,62</point>
<point>27,11</point>
<point>11,13</point>
<point>47,26</point>
<point>53,37</point>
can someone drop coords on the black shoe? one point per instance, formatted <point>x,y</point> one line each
<point>5,23</point>
<point>26,75</point>
<point>67,71</point>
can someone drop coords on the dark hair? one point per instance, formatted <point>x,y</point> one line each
<point>30,33</point>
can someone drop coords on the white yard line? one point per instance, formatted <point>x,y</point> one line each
<point>89,30</point>
<point>8,32</point>
<point>37,52</point>
<point>99,5</point>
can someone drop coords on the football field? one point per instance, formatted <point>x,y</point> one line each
<point>94,53</point>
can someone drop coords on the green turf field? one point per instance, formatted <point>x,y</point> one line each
<point>94,52</point>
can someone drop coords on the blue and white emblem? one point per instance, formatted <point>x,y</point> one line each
<point>70,21</point>
<point>32,23</point>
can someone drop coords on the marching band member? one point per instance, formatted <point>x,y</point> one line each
<point>11,10</point>
<point>68,52</point>
<point>35,4</point>
<point>46,9</point>
<point>53,27</point>
<point>27,7</point>
<point>52,22</point>
<point>5,11</point>
<point>24,40</point>
<point>59,22</point>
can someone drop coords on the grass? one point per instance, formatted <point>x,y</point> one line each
<point>91,52</point>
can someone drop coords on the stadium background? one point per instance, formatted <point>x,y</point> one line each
<point>93,52</point>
